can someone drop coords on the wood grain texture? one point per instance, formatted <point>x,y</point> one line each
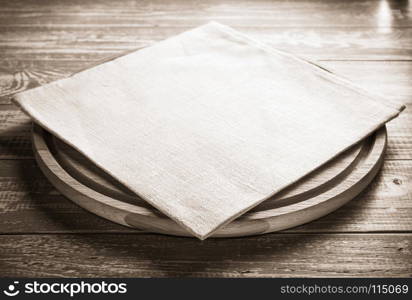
<point>182,13</point>
<point>85,43</point>
<point>279,255</point>
<point>67,30</point>
<point>41,41</point>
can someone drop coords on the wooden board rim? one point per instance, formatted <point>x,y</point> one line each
<point>250,224</point>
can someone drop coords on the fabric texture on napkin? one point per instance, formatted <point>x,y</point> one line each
<point>207,124</point>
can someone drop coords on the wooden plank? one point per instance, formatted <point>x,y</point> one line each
<point>192,202</point>
<point>29,204</point>
<point>389,79</point>
<point>400,136</point>
<point>272,255</point>
<point>247,13</point>
<point>74,43</point>
<point>15,129</point>
<point>77,33</point>
<point>15,135</point>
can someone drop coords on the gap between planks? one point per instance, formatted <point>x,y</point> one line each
<point>137,232</point>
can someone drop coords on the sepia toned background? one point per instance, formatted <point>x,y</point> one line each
<point>44,234</point>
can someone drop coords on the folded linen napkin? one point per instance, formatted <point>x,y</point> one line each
<point>207,124</point>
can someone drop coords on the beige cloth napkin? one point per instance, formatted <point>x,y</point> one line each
<point>207,124</point>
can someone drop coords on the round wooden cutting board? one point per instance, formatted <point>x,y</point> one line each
<point>312,197</point>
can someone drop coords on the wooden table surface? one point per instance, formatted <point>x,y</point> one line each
<point>44,234</point>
